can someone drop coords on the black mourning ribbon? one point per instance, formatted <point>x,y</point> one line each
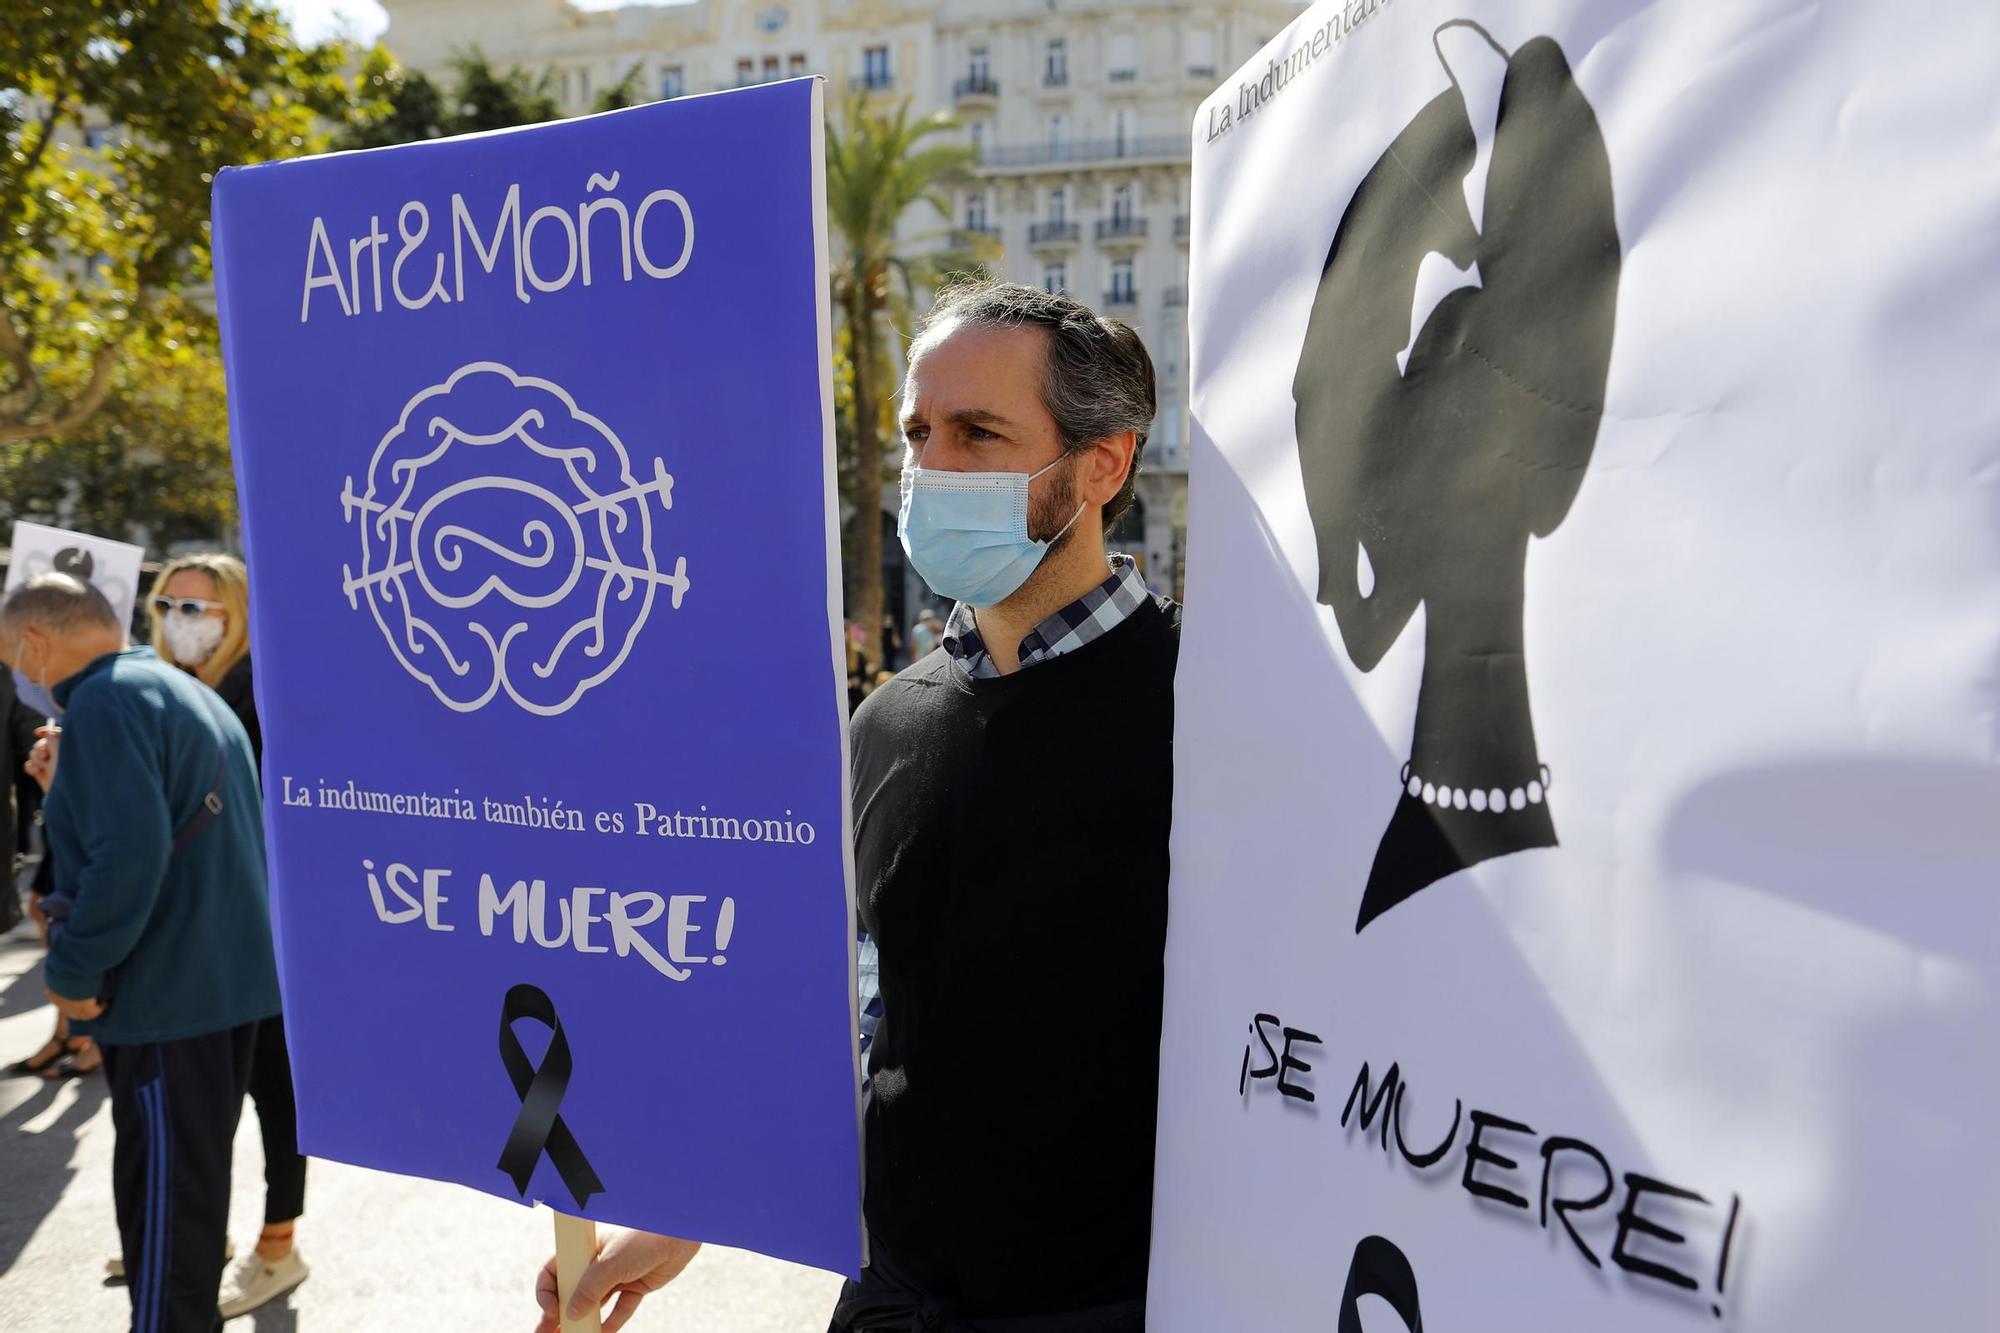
<point>538,1128</point>
<point>1380,1269</point>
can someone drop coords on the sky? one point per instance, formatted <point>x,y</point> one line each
<point>315,20</point>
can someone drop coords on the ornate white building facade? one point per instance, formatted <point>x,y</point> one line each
<point>1080,112</point>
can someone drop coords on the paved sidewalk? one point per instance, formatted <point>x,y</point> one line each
<point>387,1252</point>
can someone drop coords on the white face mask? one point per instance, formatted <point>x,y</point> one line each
<point>192,639</point>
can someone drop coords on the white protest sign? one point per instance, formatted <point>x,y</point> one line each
<point>1587,821</point>
<point>109,566</point>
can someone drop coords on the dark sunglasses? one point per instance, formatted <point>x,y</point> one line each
<point>186,606</point>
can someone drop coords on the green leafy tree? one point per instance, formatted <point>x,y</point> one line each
<point>396,106</point>
<point>628,91</point>
<point>880,165</point>
<point>400,105</point>
<point>488,99</point>
<point>101,228</point>
<point>153,461</point>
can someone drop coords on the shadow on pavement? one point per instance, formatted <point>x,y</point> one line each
<point>39,1162</point>
<point>21,948</point>
<point>277,1317</point>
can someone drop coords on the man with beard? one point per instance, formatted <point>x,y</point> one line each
<point>1017,899</point>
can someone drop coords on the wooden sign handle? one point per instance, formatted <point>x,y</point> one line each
<point>576,1246</point>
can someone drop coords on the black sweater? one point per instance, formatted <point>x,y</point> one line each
<point>234,687</point>
<point>1011,859</point>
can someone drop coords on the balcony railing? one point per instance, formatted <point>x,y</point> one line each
<point>1121,229</point>
<point>1201,72</point>
<point>1121,298</point>
<point>974,85</point>
<point>974,238</point>
<point>1086,150</point>
<point>1055,78</point>
<point>1053,233</point>
<point>872,83</point>
<point>1175,296</point>
<point>1124,76</point>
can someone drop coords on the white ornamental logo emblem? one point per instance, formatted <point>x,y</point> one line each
<point>506,542</point>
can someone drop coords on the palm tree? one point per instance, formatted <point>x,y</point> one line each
<point>879,167</point>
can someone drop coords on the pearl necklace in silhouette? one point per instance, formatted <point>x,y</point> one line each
<point>1480,800</point>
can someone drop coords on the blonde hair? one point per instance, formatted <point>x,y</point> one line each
<point>232,589</point>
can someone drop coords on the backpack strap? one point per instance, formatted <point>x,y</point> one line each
<point>211,804</point>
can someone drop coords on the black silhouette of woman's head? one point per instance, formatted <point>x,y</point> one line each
<point>1449,393</point>
<point>75,561</point>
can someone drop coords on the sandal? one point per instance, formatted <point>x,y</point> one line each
<point>52,1051</point>
<point>73,1063</point>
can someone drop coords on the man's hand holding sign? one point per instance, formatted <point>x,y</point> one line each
<point>630,1265</point>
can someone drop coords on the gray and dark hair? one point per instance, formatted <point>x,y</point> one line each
<point>1099,377</point>
<point>58,602</point>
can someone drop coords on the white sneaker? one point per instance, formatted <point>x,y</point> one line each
<point>256,1280</point>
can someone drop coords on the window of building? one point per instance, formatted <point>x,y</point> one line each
<point>1124,288</point>
<point>1124,57</point>
<point>583,80</point>
<point>1059,205</point>
<point>797,66</point>
<point>771,68</point>
<point>746,73</point>
<point>975,211</point>
<point>673,81</point>
<point>1124,131</point>
<point>1055,68</point>
<point>875,66</point>
<point>1128,533</point>
<point>1121,206</point>
<point>1055,278</point>
<point>979,128</point>
<point>1058,135</point>
<point>1201,53</point>
<point>978,66</point>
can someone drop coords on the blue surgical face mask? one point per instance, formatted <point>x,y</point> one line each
<point>32,692</point>
<point>966,533</point>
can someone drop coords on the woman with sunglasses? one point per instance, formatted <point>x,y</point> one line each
<point>201,623</point>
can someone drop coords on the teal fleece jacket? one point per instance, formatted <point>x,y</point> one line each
<point>182,944</point>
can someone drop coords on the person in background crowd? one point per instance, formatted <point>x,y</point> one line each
<point>1004,1189</point>
<point>201,623</point>
<point>858,666</point>
<point>892,646</point>
<point>160,929</point>
<point>18,806</point>
<point>29,742</point>
<point>925,635</point>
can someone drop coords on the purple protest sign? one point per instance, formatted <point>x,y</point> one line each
<point>534,438</point>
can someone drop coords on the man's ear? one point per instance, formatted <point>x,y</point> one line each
<point>19,637</point>
<point>1110,462</point>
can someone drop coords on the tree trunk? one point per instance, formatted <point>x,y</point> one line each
<point>80,409</point>
<point>866,608</point>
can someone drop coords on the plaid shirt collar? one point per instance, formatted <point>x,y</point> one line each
<point>1083,621</point>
